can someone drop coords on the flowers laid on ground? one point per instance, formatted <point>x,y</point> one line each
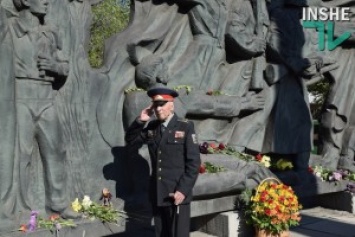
<point>213,148</point>
<point>187,88</point>
<point>130,90</point>
<point>350,187</point>
<point>208,167</point>
<point>32,223</point>
<point>272,207</point>
<point>104,212</point>
<point>283,164</point>
<point>328,175</point>
<point>54,222</point>
<point>263,159</point>
<point>92,210</point>
<point>215,92</point>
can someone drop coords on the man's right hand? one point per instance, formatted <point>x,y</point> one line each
<point>146,114</point>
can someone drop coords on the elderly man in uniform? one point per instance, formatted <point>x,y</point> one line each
<point>175,158</point>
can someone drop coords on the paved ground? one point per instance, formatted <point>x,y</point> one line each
<point>316,222</point>
<point>321,222</point>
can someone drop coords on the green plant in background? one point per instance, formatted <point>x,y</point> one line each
<point>109,17</point>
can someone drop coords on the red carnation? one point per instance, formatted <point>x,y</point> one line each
<point>202,169</point>
<point>268,212</point>
<point>221,146</point>
<point>259,157</point>
<point>54,217</point>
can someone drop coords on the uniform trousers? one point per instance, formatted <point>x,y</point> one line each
<point>169,223</point>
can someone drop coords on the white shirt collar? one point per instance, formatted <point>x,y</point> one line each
<point>166,122</point>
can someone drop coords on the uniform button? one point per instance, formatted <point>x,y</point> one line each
<point>159,178</point>
<point>159,152</point>
<point>159,169</point>
<point>159,161</point>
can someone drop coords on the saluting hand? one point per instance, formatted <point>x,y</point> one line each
<point>146,114</point>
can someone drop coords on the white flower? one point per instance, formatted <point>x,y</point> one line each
<point>86,202</point>
<point>318,174</point>
<point>318,169</point>
<point>266,161</point>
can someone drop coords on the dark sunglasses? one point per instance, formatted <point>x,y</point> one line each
<point>159,103</point>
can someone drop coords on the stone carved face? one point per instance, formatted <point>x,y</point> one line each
<point>37,7</point>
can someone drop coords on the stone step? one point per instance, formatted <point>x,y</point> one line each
<point>201,234</point>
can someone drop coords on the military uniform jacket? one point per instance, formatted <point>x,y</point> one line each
<point>174,155</point>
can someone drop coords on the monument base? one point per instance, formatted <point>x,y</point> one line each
<point>226,224</point>
<point>85,228</point>
<point>341,201</point>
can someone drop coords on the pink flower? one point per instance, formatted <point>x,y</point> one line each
<point>33,221</point>
<point>337,176</point>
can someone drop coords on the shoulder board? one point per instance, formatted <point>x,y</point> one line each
<point>183,120</point>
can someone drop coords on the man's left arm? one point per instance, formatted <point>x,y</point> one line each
<point>192,162</point>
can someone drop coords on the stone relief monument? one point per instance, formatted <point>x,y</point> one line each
<point>63,122</point>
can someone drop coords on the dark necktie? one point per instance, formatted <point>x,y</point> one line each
<point>162,129</point>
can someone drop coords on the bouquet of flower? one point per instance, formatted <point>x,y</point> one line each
<point>92,210</point>
<point>273,207</point>
<point>208,167</point>
<point>54,222</point>
<point>213,148</point>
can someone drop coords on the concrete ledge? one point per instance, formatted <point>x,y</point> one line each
<point>84,229</point>
<point>226,224</point>
<point>342,201</point>
<point>210,206</point>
